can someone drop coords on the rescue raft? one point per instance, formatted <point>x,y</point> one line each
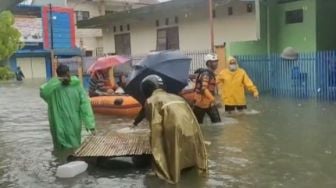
<point>125,105</point>
<point>118,105</point>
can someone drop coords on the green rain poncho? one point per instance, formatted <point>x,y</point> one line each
<point>68,107</point>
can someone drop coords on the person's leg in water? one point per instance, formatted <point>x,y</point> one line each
<point>199,113</point>
<point>229,108</point>
<point>241,108</point>
<point>214,115</point>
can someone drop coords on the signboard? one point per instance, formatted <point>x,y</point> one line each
<point>30,29</point>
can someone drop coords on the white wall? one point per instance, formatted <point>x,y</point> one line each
<point>108,41</point>
<point>143,37</point>
<point>194,32</point>
<point>88,36</point>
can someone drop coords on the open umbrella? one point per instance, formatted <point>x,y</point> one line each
<point>107,62</point>
<point>171,66</point>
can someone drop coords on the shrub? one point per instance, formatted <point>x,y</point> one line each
<point>6,74</point>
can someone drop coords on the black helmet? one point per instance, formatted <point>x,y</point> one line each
<point>151,83</point>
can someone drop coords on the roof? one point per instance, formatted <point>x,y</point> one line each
<point>141,13</point>
<point>8,4</point>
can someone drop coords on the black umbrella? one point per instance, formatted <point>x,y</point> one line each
<point>171,66</point>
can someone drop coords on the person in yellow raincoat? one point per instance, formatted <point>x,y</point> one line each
<point>176,138</point>
<point>232,83</point>
<point>68,107</point>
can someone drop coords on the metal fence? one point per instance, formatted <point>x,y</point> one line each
<point>311,75</point>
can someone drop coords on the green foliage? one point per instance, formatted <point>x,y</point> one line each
<point>9,36</point>
<point>6,74</point>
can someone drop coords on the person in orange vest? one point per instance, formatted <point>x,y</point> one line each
<point>205,89</point>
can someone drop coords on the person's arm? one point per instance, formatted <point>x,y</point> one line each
<point>22,74</point>
<point>86,113</point>
<point>48,88</point>
<point>249,85</point>
<point>205,85</point>
<point>219,83</point>
<point>141,116</point>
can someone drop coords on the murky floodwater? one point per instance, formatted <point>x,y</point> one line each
<point>289,144</point>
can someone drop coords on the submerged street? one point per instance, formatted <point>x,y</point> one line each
<point>289,144</point>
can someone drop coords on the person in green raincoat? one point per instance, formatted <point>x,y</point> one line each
<point>176,138</point>
<point>68,108</point>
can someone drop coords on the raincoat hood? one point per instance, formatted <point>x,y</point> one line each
<point>231,58</point>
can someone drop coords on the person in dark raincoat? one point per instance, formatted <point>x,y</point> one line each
<point>68,108</point>
<point>176,138</point>
<point>19,74</point>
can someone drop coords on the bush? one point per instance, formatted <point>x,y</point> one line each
<point>6,74</point>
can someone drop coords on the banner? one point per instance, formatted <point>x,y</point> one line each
<point>30,28</point>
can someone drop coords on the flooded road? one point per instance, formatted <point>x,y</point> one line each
<point>290,143</point>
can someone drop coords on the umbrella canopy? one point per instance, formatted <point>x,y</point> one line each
<point>107,62</point>
<point>171,66</point>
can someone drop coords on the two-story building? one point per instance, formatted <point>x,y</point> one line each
<point>176,24</point>
<point>45,30</point>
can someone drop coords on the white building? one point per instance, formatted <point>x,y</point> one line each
<point>91,40</point>
<point>176,24</point>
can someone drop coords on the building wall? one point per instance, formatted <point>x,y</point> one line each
<point>279,35</point>
<point>326,14</point>
<point>254,47</point>
<point>53,2</point>
<point>301,36</point>
<point>87,38</point>
<point>194,32</point>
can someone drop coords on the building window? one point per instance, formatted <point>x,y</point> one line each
<point>157,23</point>
<point>168,39</point>
<point>88,53</point>
<point>128,27</point>
<point>230,11</point>
<point>121,28</point>
<point>108,12</point>
<point>286,1</point>
<point>249,7</point>
<point>82,15</point>
<point>214,13</point>
<point>114,29</point>
<point>99,51</point>
<point>176,20</point>
<point>123,44</point>
<point>294,16</point>
<point>167,21</point>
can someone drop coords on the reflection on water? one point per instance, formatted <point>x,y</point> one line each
<point>289,144</point>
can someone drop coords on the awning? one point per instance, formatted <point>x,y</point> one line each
<point>69,52</point>
<point>142,13</point>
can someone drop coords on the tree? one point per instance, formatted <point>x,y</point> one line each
<point>9,36</point>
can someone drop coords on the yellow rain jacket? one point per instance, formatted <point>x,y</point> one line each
<point>176,138</point>
<point>232,86</point>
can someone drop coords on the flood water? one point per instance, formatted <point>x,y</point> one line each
<point>291,143</point>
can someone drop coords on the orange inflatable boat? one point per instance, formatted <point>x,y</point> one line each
<point>117,105</point>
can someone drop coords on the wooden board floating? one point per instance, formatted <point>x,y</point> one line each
<point>115,144</point>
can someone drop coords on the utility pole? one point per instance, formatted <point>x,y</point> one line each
<point>211,23</point>
<point>53,63</point>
